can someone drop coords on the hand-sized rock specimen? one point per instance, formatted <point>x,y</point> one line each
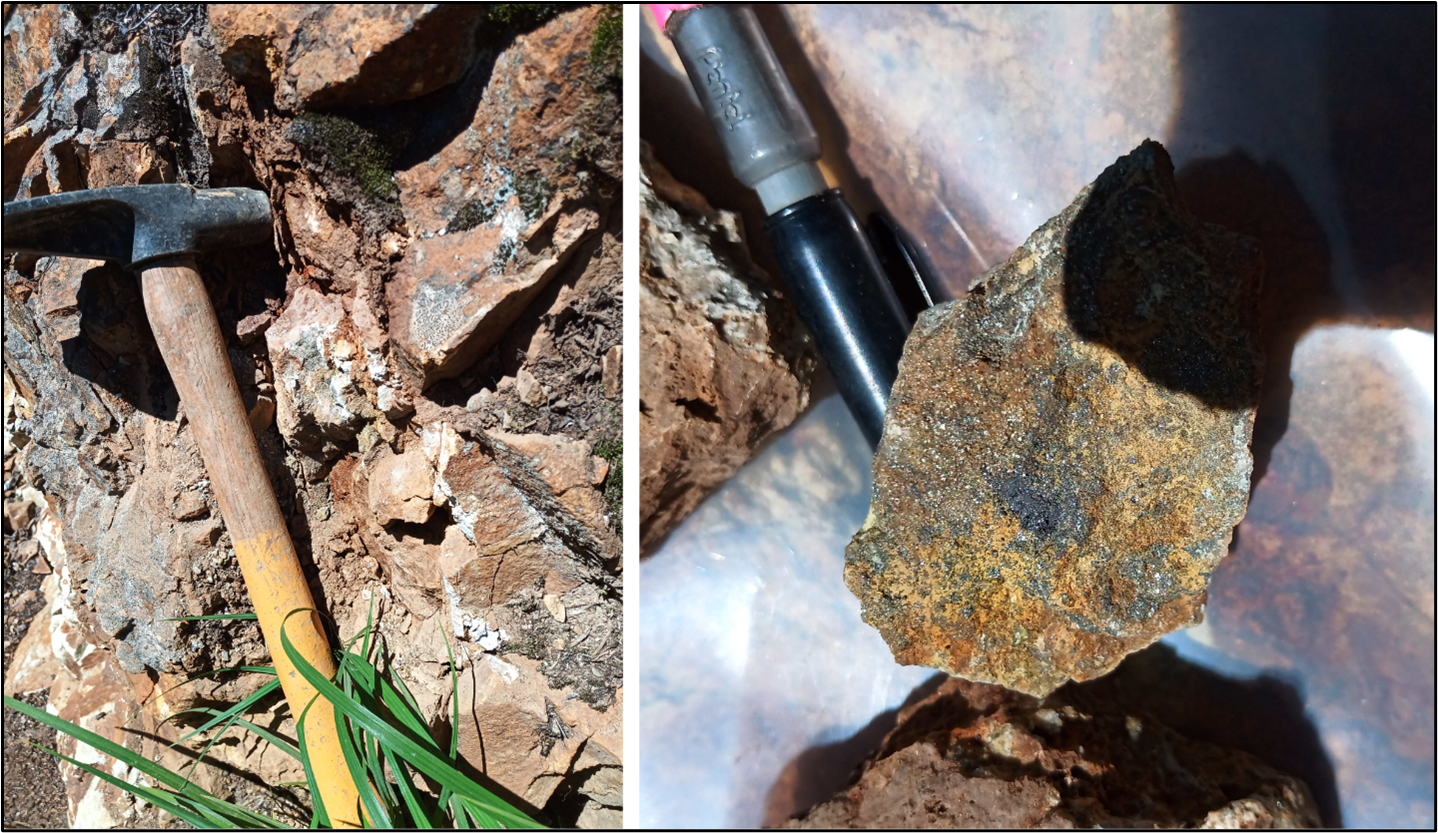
<point>724,360</point>
<point>974,755</point>
<point>1066,448</point>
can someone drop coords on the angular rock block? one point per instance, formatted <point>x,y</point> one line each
<point>501,209</point>
<point>1065,453</point>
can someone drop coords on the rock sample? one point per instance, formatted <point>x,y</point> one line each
<point>724,360</point>
<point>972,755</point>
<point>1066,449</point>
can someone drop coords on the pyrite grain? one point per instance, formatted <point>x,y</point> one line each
<point>1066,450</point>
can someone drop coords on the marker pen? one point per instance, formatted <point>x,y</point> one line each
<point>828,262</point>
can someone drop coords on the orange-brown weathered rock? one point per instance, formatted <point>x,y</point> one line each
<point>725,362</point>
<point>318,55</point>
<point>501,209</point>
<point>1065,453</point>
<point>977,756</point>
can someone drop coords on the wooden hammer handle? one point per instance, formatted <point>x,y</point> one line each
<point>190,341</point>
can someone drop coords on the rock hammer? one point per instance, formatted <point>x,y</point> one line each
<point>157,230</point>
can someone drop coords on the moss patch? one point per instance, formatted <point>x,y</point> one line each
<point>345,148</point>
<point>606,50</point>
<point>612,450</point>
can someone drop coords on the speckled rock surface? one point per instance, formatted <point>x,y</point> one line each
<point>973,755</point>
<point>1066,449</point>
<point>725,362</point>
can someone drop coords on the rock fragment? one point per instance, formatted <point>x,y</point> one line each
<point>974,755</point>
<point>612,371</point>
<point>530,393</point>
<point>189,506</point>
<point>18,515</point>
<point>1066,449</point>
<point>724,360</point>
<point>401,487</point>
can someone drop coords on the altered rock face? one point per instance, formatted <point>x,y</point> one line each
<point>391,139</point>
<point>973,755</point>
<point>322,372</point>
<point>1066,449</point>
<point>498,215</point>
<point>724,360</point>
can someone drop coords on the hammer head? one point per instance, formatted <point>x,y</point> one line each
<point>133,224</point>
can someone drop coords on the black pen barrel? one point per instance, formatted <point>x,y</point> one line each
<point>845,299</point>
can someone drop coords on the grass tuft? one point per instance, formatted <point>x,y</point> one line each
<point>384,736</point>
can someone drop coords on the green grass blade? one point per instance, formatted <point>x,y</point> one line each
<point>374,811</point>
<point>161,775</point>
<point>369,678</point>
<point>416,754</point>
<point>444,794</point>
<point>194,808</point>
<point>255,669</point>
<point>230,712</point>
<point>321,818</point>
<point>457,809</point>
<point>419,817</point>
<point>212,617</point>
<point>368,626</point>
<point>160,798</point>
<point>277,741</point>
<point>411,705</point>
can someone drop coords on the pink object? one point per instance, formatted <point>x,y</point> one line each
<point>662,11</point>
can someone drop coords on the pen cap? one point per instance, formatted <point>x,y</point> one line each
<point>746,95</point>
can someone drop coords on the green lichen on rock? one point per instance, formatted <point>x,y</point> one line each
<point>517,16</point>
<point>579,654</point>
<point>504,254</point>
<point>343,147</point>
<point>473,213</point>
<point>534,194</point>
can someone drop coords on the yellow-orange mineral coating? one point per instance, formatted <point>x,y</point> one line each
<point>1066,448</point>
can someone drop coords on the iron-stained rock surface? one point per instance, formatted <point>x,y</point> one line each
<point>972,755</point>
<point>1066,449</point>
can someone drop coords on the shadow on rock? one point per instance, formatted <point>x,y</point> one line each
<point>1265,716</point>
<point>821,771</point>
<point>1144,278</point>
